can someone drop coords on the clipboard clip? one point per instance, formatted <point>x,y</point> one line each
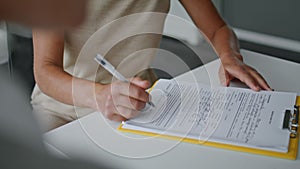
<point>291,121</point>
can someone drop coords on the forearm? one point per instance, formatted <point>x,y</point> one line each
<point>226,42</point>
<point>50,75</point>
<point>207,19</point>
<point>117,101</point>
<point>58,84</point>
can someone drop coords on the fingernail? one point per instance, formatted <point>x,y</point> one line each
<point>227,82</point>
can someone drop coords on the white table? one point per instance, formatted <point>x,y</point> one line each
<point>94,139</point>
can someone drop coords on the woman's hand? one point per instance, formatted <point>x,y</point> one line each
<point>233,67</point>
<point>119,101</point>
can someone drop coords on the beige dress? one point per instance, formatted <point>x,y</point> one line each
<point>126,32</point>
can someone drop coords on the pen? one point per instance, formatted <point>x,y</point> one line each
<point>109,67</point>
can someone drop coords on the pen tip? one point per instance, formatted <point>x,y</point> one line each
<point>152,104</point>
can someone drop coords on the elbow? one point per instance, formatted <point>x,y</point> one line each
<point>39,77</point>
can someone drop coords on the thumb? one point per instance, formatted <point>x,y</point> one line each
<point>224,76</point>
<point>229,78</point>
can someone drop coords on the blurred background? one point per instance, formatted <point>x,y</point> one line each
<point>270,27</point>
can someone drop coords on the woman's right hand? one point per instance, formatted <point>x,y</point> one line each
<point>119,101</point>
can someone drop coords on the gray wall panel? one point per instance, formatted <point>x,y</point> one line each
<point>274,17</point>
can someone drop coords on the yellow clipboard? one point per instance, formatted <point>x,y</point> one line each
<point>291,154</point>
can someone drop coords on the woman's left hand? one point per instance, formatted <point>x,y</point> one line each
<point>233,67</point>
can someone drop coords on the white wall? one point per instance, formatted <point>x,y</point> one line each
<point>179,29</point>
<point>180,26</point>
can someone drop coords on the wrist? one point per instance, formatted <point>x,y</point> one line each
<point>226,43</point>
<point>231,54</point>
<point>84,93</point>
<point>92,99</point>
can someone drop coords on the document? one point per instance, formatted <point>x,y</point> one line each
<point>226,115</point>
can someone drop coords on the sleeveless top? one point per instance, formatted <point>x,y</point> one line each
<point>125,32</point>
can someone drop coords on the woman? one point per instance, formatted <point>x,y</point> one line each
<point>65,70</point>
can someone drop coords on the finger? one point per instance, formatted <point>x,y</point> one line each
<point>261,81</point>
<point>242,73</point>
<point>129,89</point>
<point>134,92</point>
<point>129,102</point>
<point>228,78</point>
<point>112,113</point>
<point>140,83</point>
<point>138,94</point>
<point>250,81</point>
<point>117,117</point>
<point>109,109</point>
<point>224,76</point>
<point>126,112</point>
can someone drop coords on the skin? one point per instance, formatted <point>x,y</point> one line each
<point>117,101</point>
<point>120,101</point>
<point>207,19</point>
